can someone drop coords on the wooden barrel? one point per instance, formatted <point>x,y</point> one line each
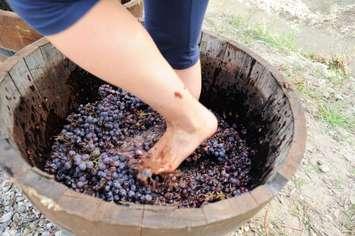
<point>4,5</point>
<point>15,33</point>
<point>134,6</point>
<point>37,90</point>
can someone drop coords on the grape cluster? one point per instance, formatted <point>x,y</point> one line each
<point>85,156</point>
<point>92,155</point>
<point>217,170</point>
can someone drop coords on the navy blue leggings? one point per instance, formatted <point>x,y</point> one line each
<point>174,25</point>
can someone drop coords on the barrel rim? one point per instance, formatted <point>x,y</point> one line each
<point>132,3</point>
<point>17,33</point>
<point>147,216</point>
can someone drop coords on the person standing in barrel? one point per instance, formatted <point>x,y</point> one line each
<point>159,63</point>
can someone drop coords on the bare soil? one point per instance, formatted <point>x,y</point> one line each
<point>320,198</point>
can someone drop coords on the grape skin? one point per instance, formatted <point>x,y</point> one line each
<point>85,156</point>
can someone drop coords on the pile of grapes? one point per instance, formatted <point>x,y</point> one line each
<point>93,151</point>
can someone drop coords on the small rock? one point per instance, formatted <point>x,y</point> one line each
<point>9,232</point>
<point>312,233</point>
<point>352,198</point>
<point>6,217</point>
<point>63,233</point>
<point>329,218</point>
<point>291,192</point>
<point>346,157</point>
<point>49,226</point>
<point>58,233</point>
<point>45,233</point>
<point>21,207</point>
<point>7,206</point>
<point>339,97</point>
<point>5,186</point>
<point>27,232</point>
<point>20,199</point>
<point>238,233</point>
<point>323,167</point>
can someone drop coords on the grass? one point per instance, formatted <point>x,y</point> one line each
<point>299,182</point>
<point>338,184</point>
<point>261,32</point>
<point>333,114</point>
<point>338,71</point>
<point>348,221</point>
<point>336,77</point>
<point>311,169</point>
<point>279,41</point>
<point>353,171</point>
<point>306,90</point>
<point>302,212</point>
<point>313,81</point>
<point>336,62</point>
<point>331,110</point>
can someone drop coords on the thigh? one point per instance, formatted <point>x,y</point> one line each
<point>175,26</point>
<point>51,16</point>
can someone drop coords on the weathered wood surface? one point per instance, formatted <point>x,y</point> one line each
<point>39,73</point>
<point>2,58</point>
<point>4,54</point>
<point>9,100</point>
<point>14,32</point>
<point>4,5</point>
<point>135,7</point>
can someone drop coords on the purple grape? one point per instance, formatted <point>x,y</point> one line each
<point>148,198</point>
<point>131,194</point>
<point>89,165</point>
<point>71,153</point>
<point>67,165</point>
<point>82,166</point>
<point>85,157</point>
<point>90,160</point>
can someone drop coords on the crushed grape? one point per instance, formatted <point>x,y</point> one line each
<point>92,155</point>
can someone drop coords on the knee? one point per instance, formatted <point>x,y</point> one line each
<point>181,57</point>
<point>175,27</point>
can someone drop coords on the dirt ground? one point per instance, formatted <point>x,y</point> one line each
<point>312,43</point>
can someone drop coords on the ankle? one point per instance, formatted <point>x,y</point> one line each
<point>204,122</point>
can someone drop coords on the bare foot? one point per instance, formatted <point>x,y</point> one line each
<point>178,143</point>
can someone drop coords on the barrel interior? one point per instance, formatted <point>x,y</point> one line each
<point>235,84</point>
